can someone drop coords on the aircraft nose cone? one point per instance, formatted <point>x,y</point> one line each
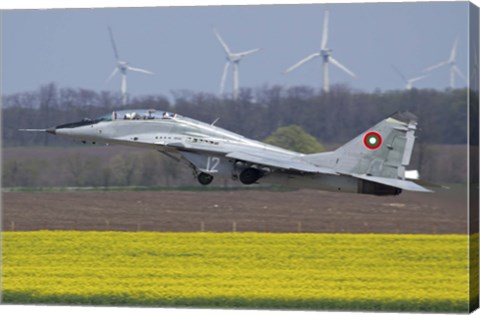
<point>51,130</point>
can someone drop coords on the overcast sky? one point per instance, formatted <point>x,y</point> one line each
<point>72,48</point>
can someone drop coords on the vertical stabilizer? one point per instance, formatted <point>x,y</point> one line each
<point>384,150</point>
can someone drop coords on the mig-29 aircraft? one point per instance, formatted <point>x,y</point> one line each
<point>372,163</point>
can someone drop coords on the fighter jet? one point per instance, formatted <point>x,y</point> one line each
<point>373,163</point>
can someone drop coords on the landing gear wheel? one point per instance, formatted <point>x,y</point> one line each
<point>249,176</point>
<point>204,178</point>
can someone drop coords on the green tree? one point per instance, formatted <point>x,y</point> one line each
<point>84,170</point>
<point>296,139</point>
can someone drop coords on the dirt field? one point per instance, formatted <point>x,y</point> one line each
<point>222,211</point>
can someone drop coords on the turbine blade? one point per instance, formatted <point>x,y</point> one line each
<point>139,70</point>
<point>400,74</point>
<point>113,43</point>
<point>325,31</point>
<point>453,52</point>
<point>438,65</point>
<point>339,65</point>
<point>417,78</point>
<point>224,76</point>
<point>112,74</point>
<point>248,52</point>
<point>452,77</point>
<point>457,70</point>
<point>225,47</point>
<point>301,62</point>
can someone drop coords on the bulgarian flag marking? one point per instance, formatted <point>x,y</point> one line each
<point>372,140</point>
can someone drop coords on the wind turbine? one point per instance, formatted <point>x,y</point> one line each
<point>232,58</point>
<point>449,62</point>
<point>122,66</point>
<point>326,54</point>
<point>408,82</point>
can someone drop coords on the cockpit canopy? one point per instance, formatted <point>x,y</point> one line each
<point>128,114</point>
<point>137,114</point>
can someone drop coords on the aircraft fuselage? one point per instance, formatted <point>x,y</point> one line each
<point>212,152</point>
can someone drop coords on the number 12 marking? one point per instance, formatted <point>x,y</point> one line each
<point>212,164</point>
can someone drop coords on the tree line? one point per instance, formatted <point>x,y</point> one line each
<point>273,114</point>
<point>332,118</point>
<point>91,166</point>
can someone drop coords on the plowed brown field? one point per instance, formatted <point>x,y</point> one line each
<point>220,211</point>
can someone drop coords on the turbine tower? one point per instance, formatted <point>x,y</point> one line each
<point>408,82</point>
<point>122,66</point>
<point>326,54</point>
<point>232,58</point>
<point>449,62</point>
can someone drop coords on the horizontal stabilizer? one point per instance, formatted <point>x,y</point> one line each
<point>286,164</point>
<point>398,183</point>
<point>429,184</point>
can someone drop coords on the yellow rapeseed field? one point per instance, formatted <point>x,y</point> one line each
<point>252,270</point>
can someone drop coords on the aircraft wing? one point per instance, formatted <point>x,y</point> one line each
<point>280,162</point>
<point>399,183</point>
